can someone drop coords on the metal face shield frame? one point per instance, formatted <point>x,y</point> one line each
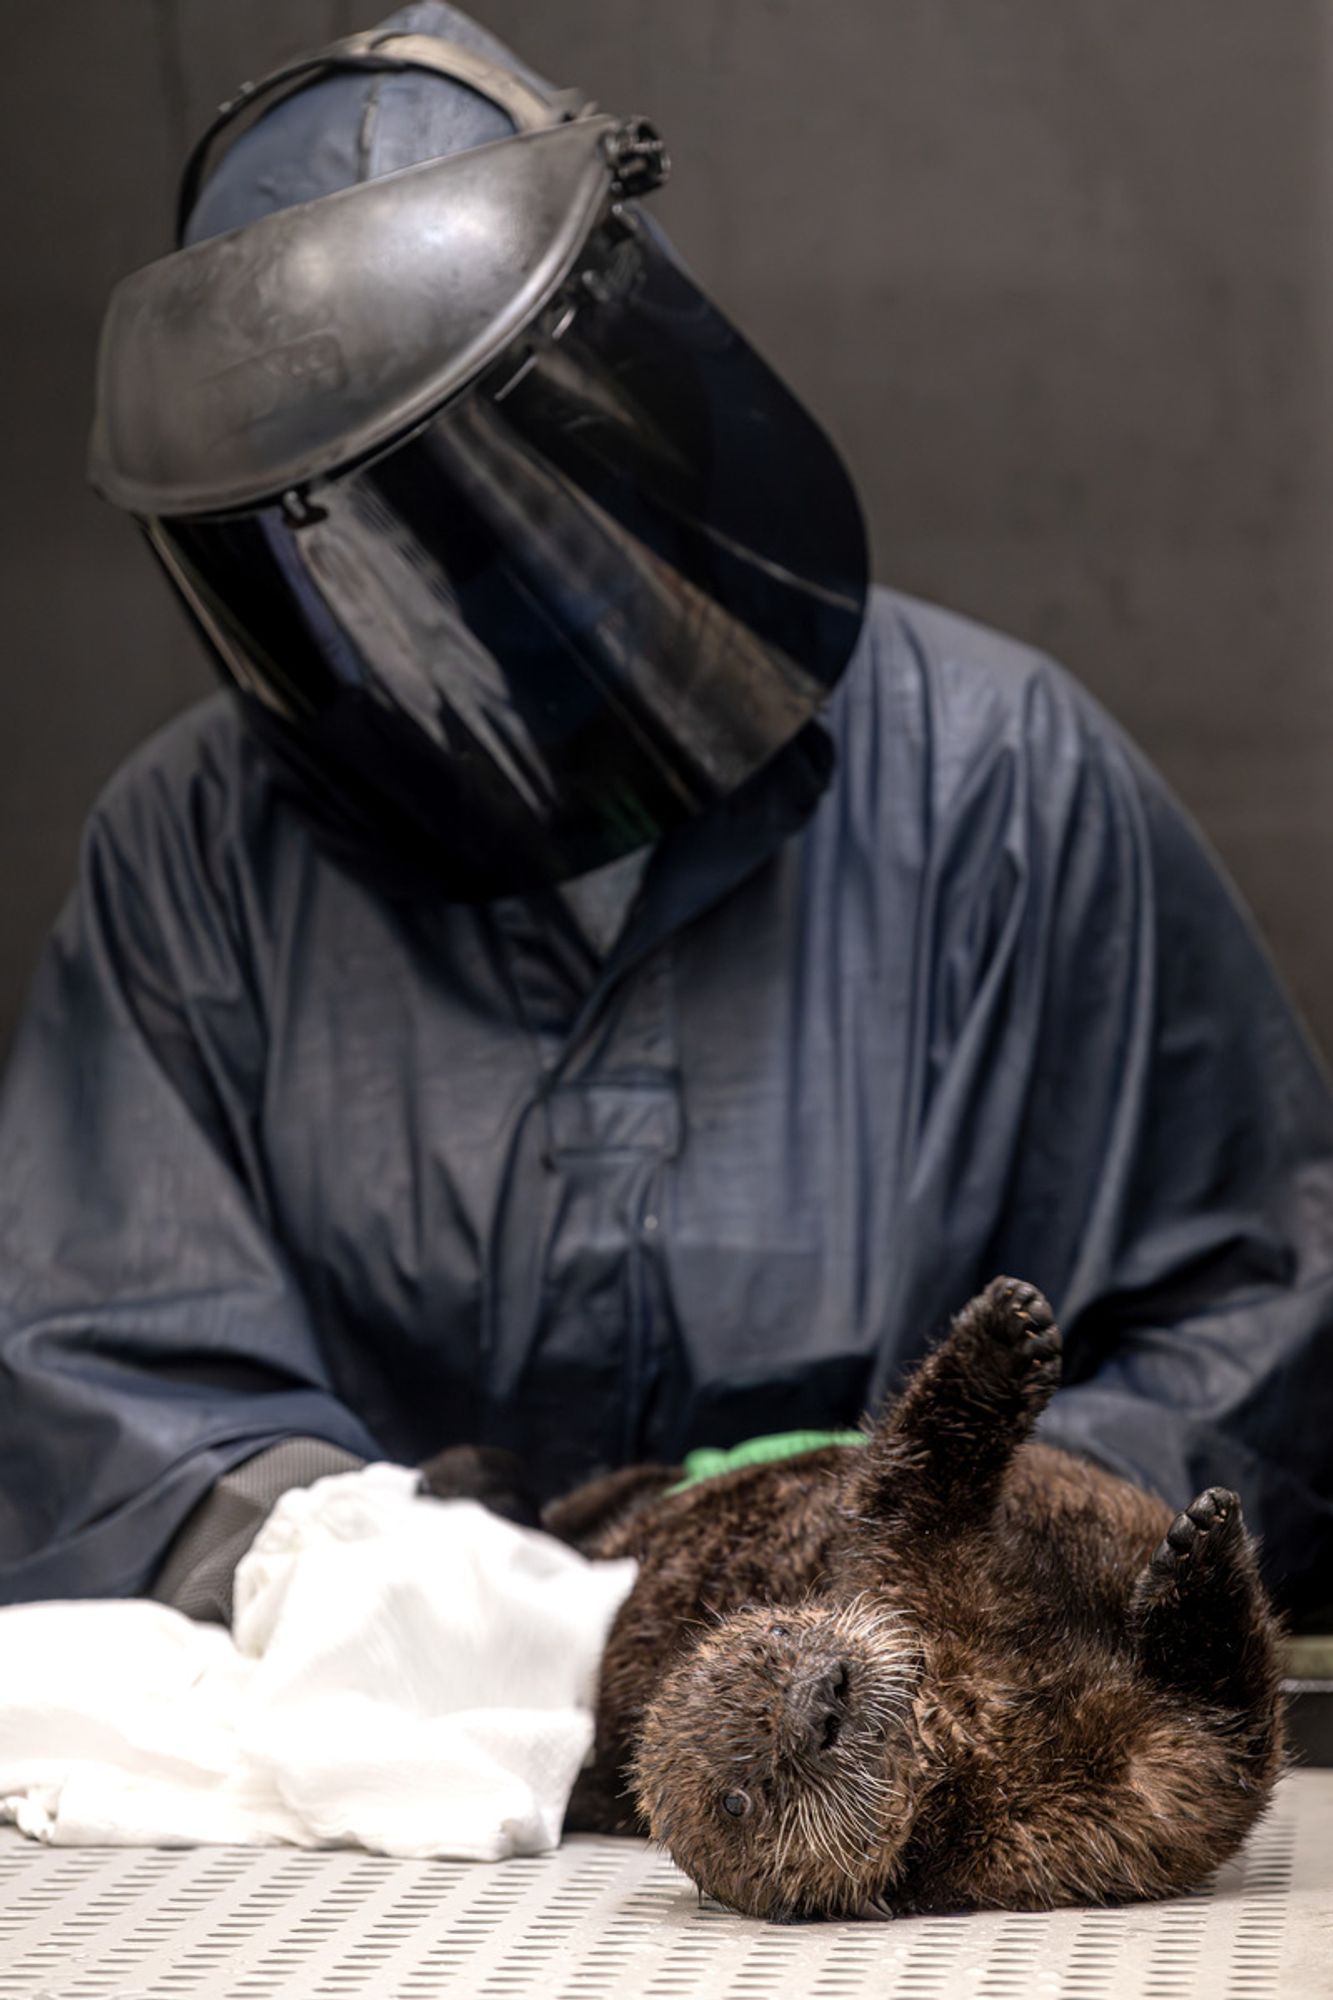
<point>280,352</point>
<point>516,550</point>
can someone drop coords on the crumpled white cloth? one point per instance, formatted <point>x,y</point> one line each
<point>404,1674</point>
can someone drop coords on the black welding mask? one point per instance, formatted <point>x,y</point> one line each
<point>515,551</point>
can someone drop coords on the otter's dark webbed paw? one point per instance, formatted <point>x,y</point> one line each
<point>1014,1341</point>
<point>1196,1542</point>
<point>1198,1603</point>
<point>940,1453</point>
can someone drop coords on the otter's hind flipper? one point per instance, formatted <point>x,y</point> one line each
<point>938,1455</point>
<point>494,1478</point>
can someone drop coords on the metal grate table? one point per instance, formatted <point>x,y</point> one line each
<point>613,1920</point>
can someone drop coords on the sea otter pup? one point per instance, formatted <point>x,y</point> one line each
<point>951,1668</point>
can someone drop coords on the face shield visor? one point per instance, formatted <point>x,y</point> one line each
<point>516,552</point>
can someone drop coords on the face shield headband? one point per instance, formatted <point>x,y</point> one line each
<point>517,553</point>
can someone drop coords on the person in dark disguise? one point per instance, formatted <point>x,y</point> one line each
<point>603,981</point>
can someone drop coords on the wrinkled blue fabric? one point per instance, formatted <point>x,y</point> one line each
<point>355,127</point>
<point>280,1156</point>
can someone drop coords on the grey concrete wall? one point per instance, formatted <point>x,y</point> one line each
<point>1056,273</point>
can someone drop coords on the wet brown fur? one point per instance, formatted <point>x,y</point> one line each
<point>953,1668</point>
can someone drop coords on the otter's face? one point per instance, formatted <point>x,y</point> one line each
<point>775,1761</point>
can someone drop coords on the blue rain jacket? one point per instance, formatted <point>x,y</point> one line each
<point>281,1155</point>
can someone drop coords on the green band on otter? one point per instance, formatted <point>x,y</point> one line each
<point>711,1460</point>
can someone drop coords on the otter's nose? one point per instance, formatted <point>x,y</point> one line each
<point>819,1704</point>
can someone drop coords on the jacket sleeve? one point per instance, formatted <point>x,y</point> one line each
<point>198,1572</point>
<point>1130,1084</point>
<point>152,1330</point>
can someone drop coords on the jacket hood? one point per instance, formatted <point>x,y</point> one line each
<point>355,127</point>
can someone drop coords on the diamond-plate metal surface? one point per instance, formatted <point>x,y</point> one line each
<point>613,1920</point>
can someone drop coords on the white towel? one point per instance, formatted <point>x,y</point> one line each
<point>408,1675</point>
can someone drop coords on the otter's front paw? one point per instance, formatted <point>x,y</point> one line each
<point>1014,1340</point>
<point>1198,1541</point>
<point>1201,1618</point>
<point>943,1448</point>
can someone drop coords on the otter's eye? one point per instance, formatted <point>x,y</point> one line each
<point>737,1804</point>
<point>779,1631</point>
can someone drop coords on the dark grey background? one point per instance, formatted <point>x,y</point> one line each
<point>1056,274</point>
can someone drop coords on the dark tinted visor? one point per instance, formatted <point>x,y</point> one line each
<point>592,595</point>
